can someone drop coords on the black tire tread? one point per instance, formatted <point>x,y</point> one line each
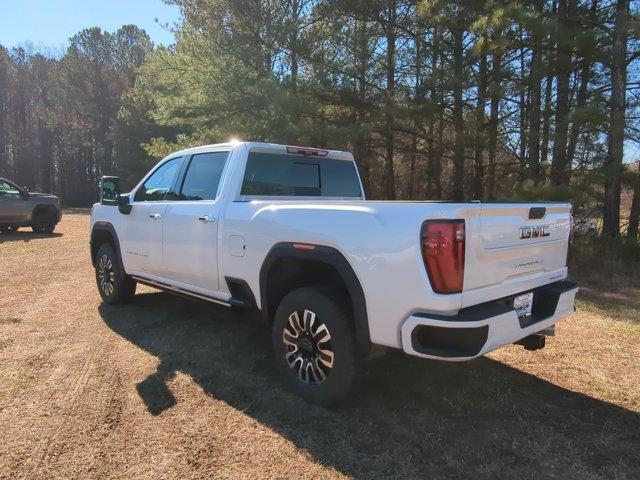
<point>340,325</point>
<point>43,222</point>
<point>124,286</point>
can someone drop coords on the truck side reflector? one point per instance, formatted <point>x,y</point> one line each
<point>307,151</point>
<point>443,243</point>
<point>304,246</point>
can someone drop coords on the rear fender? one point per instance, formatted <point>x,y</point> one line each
<point>333,258</point>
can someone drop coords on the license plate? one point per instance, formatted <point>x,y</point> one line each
<point>523,304</point>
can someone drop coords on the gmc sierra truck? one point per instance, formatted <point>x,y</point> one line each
<point>22,208</point>
<point>287,231</point>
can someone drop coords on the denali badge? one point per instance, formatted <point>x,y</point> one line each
<point>534,231</point>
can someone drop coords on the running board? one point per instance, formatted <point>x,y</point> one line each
<point>179,291</point>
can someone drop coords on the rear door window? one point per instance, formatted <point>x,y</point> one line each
<point>273,174</point>
<point>203,176</point>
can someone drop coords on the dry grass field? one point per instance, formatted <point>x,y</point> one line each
<point>168,388</point>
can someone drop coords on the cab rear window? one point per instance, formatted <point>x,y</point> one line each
<point>273,174</point>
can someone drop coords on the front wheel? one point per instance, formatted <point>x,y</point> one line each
<point>314,345</point>
<point>115,286</point>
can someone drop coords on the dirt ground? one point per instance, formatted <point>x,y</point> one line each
<point>169,388</point>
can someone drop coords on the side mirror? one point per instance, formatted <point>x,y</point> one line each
<point>110,191</point>
<point>24,193</point>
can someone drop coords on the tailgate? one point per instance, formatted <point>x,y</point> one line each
<point>510,241</point>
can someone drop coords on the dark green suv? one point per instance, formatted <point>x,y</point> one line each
<point>21,208</point>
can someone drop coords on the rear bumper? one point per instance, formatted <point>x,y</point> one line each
<point>477,330</point>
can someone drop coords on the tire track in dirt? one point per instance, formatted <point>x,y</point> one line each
<point>66,404</point>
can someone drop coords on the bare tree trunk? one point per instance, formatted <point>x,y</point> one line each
<point>581,99</point>
<point>535,110</point>
<point>548,94</point>
<point>293,43</point>
<point>417,100</point>
<point>581,96</point>
<point>559,166</point>
<point>434,149</point>
<point>458,118</point>
<point>389,180</point>
<point>493,124</point>
<point>615,141</point>
<point>434,159</point>
<point>362,153</point>
<point>522,154</point>
<point>478,164</point>
<point>634,214</point>
<point>437,159</point>
<point>4,112</point>
<point>412,167</point>
<point>546,122</point>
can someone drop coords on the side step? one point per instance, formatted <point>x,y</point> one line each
<point>179,291</point>
<point>242,298</point>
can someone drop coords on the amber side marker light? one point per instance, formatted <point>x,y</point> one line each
<point>443,243</point>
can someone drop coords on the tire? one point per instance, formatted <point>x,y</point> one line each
<point>43,222</point>
<point>305,355</point>
<point>115,286</point>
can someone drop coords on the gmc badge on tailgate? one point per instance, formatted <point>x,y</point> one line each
<point>534,231</point>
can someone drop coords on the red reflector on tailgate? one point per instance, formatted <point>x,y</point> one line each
<point>443,244</point>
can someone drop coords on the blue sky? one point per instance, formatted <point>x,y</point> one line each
<point>50,23</point>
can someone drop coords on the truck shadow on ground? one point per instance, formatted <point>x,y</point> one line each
<point>26,236</point>
<point>407,418</point>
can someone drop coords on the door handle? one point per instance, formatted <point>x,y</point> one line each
<point>206,218</point>
<point>155,216</point>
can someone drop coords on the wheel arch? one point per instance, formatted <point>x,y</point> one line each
<point>321,257</point>
<point>104,232</point>
<point>44,208</point>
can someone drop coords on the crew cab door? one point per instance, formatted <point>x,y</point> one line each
<point>14,207</point>
<point>141,231</point>
<point>190,225</point>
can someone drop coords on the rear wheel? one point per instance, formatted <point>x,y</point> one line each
<point>115,286</point>
<point>314,345</point>
<point>43,222</point>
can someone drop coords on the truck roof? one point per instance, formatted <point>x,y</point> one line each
<point>264,147</point>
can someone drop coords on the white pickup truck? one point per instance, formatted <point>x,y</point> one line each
<point>287,231</point>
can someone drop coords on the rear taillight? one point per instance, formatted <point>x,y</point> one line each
<point>443,254</point>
